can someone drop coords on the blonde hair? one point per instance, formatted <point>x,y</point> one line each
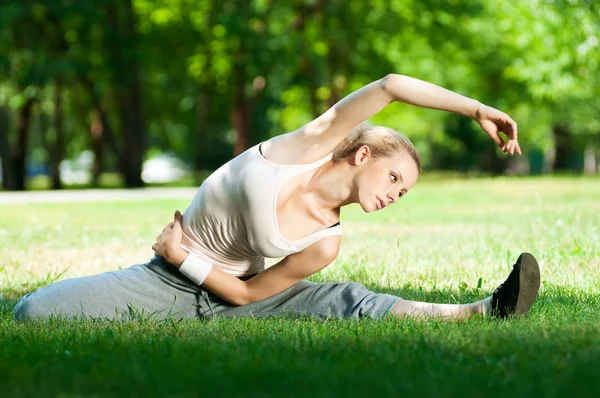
<point>382,141</point>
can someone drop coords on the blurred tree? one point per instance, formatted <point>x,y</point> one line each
<point>92,42</point>
<point>558,61</point>
<point>210,78</point>
<point>5,148</point>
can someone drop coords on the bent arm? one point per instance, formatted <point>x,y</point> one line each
<point>335,124</point>
<point>289,271</point>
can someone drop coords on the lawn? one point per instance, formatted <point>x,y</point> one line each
<point>446,241</point>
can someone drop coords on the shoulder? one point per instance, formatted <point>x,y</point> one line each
<point>295,148</point>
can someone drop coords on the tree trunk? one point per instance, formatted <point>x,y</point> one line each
<point>123,50</point>
<point>131,162</point>
<point>107,130</point>
<point>96,129</point>
<point>240,113</point>
<point>201,130</point>
<point>47,143</point>
<point>5,155</point>
<point>566,156</point>
<point>57,147</point>
<point>97,143</point>
<point>337,63</point>
<point>204,91</point>
<point>19,152</point>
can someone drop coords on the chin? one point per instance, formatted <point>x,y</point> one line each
<point>367,209</point>
<point>366,205</point>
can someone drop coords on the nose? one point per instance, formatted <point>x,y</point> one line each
<point>392,198</point>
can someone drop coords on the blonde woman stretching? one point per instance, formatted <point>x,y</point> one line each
<point>282,198</point>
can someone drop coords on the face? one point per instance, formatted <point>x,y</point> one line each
<point>381,182</point>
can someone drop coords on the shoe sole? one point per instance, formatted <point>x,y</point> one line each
<point>529,283</point>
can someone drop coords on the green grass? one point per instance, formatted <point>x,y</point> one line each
<point>435,245</point>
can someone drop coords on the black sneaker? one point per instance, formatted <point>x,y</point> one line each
<point>519,290</point>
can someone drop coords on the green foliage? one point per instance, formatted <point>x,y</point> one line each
<point>285,62</point>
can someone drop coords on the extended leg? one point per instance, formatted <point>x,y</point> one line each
<point>110,295</point>
<point>515,296</point>
<point>417,309</point>
<point>310,299</point>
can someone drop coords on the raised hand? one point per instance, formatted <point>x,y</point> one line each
<point>493,121</point>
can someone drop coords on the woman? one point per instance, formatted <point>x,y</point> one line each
<point>282,198</point>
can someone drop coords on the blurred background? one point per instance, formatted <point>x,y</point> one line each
<point>127,93</point>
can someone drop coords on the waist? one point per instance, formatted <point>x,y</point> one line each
<point>170,272</point>
<point>230,260</point>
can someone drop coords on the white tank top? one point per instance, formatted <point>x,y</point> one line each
<point>232,220</point>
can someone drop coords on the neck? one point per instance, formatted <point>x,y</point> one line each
<point>332,185</point>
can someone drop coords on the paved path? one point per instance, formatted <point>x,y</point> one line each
<point>95,195</point>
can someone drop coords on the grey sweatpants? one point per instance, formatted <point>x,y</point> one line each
<point>158,289</point>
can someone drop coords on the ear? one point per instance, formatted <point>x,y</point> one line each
<point>362,155</point>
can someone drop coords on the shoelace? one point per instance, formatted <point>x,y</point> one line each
<point>502,284</point>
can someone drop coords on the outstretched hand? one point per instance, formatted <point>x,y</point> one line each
<point>493,121</point>
<point>168,243</point>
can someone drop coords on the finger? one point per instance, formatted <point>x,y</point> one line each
<point>496,138</point>
<point>511,144</point>
<point>519,149</point>
<point>502,144</point>
<point>514,130</point>
<point>505,129</point>
<point>178,217</point>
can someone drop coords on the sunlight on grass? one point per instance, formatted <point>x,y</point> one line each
<point>446,241</point>
<point>439,236</point>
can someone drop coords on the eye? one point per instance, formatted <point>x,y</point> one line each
<point>394,178</point>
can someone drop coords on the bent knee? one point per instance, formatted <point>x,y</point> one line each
<point>362,302</point>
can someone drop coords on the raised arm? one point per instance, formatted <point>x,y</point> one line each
<point>325,132</point>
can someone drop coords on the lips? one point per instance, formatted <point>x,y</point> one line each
<point>380,204</point>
